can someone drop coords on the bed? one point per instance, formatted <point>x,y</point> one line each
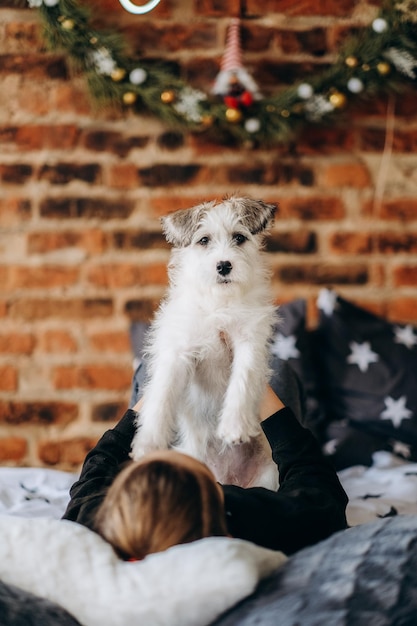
<point>360,373</point>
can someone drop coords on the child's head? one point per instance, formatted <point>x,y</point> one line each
<point>162,500</point>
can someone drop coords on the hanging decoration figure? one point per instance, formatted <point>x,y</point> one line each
<point>233,83</point>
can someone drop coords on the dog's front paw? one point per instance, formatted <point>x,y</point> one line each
<point>142,445</point>
<point>232,435</point>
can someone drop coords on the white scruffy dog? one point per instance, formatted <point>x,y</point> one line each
<point>208,348</point>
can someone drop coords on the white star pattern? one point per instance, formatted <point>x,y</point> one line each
<point>395,410</point>
<point>362,355</point>
<point>284,347</point>
<point>405,335</point>
<point>326,301</point>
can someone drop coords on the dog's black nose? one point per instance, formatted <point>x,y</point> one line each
<point>224,268</point>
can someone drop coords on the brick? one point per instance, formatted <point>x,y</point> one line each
<point>14,210</point>
<point>21,36</point>
<point>345,175</point>
<point>312,208</point>
<point>123,176</point>
<point>16,174</point>
<point>399,209</point>
<point>68,452</point>
<point>340,8</point>
<point>170,140</point>
<point>300,242</point>
<point>173,36</point>
<point>57,341</point>
<point>286,173</point>
<point>321,140</point>
<point>140,240</point>
<point>64,173</point>
<point>162,205</point>
<point>312,41</point>
<point>33,277</point>
<point>70,98</point>
<point>12,449</point>
<point>37,413</point>
<point>393,243</point>
<point>111,141</point>
<point>351,243</point>
<point>165,174</point>
<point>108,412</point>
<point>110,341</point>
<point>37,66</point>
<point>270,73</point>
<point>217,8</point>
<point>107,376</point>
<point>323,274</point>
<point>39,308</point>
<point>248,174</point>
<point>373,140</point>
<point>8,378</point>
<point>127,275</point>
<point>257,38</point>
<point>86,208</point>
<point>17,343</point>
<point>90,240</point>
<point>141,310</point>
<point>402,309</point>
<point>405,275</point>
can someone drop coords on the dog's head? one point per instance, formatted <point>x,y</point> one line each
<point>220,242</point>
<point>180,227</point>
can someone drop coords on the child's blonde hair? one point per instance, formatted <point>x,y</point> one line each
<point>157,503</point>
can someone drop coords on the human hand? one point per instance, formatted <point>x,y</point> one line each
<point>270,404</point>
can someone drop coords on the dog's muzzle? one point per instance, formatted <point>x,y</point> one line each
<point>224,268</point>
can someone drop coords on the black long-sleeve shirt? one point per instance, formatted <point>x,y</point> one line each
<point>309,505</point>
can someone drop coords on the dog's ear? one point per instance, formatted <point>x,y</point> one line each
<point>256,214</point>
<point>180,226</point>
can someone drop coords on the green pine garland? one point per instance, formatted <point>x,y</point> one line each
<point>382,59</point>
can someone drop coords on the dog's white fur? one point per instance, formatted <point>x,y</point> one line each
<point>208,348</point>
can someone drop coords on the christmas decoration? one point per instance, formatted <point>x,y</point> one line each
<point>233,83</point>
<point>381,59</point>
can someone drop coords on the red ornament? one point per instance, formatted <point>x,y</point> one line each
<point>232,102</point>
<point>246,98</point>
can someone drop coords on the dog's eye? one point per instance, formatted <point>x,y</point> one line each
<point>203,241</point>
<point>238,238</point>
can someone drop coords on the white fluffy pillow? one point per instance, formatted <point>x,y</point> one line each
<point>188,585</point>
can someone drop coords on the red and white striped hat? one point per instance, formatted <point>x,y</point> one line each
<point>232,57</point>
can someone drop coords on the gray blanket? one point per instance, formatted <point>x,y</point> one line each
<point>364,576</point>
<point>19,608</point>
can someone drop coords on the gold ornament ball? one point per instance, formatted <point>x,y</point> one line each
<point>383,68</point>
<point>168,97</point>
<point>351,61</point>
<point>68,24</point>
<point>118,74</point>
<point>233,115</point>
<point>207,120</point>
<point>337,99</point>
<point>129,97</point>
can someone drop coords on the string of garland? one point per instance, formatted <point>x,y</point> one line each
<point>381,59</point>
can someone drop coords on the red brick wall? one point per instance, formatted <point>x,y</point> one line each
<point>81,254</point>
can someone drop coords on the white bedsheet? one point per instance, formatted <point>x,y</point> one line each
<point>387,488</point>
<point>34,492</point>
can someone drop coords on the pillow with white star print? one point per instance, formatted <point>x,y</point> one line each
<point>293,343</point>
<point>369,371</point>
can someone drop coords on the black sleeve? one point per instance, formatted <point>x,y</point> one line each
<point>310,503</point>
<point>100,467</point>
